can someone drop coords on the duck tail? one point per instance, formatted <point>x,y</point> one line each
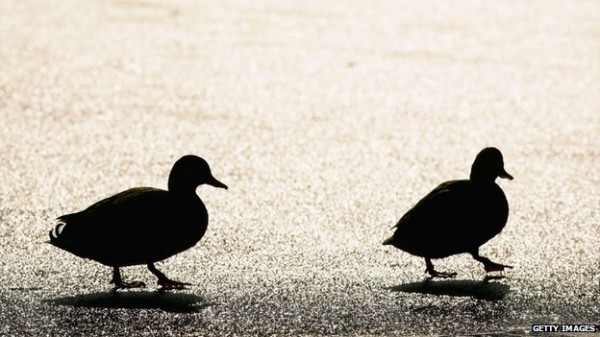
<point>389,241</point>
<point>56,231</point>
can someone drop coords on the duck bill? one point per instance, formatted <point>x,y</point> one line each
<point>505,175</point>
<point>214,182</point>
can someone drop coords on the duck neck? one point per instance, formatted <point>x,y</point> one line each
<point>182,190</point>
<point>483,179</point>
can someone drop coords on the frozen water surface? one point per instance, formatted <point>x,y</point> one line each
<point>328,121</point>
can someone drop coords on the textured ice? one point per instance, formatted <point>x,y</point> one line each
<point>327,121</point>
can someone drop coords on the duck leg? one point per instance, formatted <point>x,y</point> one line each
<point>434,273</point>
<point>119,284</point>
<point>487,263</point>
<point>164,281</point>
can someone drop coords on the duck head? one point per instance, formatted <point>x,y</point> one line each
<point>189,172</point>
<point>489,165</point>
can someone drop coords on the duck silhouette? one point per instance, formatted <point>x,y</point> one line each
<point>141,225</point>
<point>457,216</point>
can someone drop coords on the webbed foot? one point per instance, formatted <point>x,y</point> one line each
<point>493,266</point>
<point>119,284</point>
<point>166,284</point>
<point>487,263</point>
<point>129,285</point>
<point>433,273</point>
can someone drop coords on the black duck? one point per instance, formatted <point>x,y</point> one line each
<point>457,216</point>
<point>141,225</point>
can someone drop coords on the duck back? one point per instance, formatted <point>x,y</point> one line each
<point>137,226</point>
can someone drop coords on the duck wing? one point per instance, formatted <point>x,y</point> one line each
<point>446,202</point>
<point>434,226</point>
<point>126,228</point>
